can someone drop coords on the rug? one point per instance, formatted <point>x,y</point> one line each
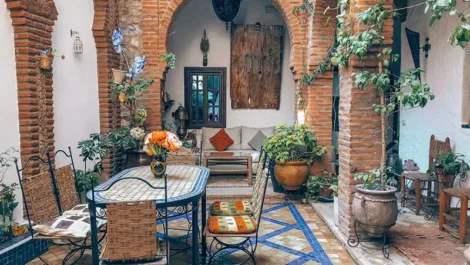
<point>427,245</point>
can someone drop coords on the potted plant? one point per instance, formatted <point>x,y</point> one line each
<point>319,187</point>
<point>294,148</point>
<point>447,165</point>
<point>45,58</point>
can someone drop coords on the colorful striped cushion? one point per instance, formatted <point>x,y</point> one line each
<point>231,208</point>
<point>242,224</point>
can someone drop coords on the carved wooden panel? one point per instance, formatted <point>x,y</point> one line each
<point>256,63</point>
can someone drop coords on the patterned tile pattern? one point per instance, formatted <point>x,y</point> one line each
<point>183,182</point>
<point>290,234</point>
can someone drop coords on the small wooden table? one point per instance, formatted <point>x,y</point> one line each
<point>216,158</point>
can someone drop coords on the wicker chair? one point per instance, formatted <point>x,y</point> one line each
<point>444,211</point>
<point>435,147</point>
<point>132,230</point>
<point>243,229</point>
<point>66,181</point>
<point>43,208</point>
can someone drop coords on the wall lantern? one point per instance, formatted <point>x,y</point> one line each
<point>226,10</point>
<point>77,43</point>
<point>181,115</point>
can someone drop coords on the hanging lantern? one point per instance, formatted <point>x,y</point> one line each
<point>77,43</point>
<point>226,10</point>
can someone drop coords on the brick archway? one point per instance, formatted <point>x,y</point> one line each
<point>155,38</point>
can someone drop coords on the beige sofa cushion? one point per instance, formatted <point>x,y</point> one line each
<point>234,133</point>
<point>248,133</point>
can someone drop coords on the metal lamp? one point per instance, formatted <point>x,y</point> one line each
<point>181,115</point>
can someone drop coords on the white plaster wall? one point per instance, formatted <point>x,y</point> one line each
<point>76,111</point>
<point>444,73</point>
<point>184,40</point>
<point>9,126</point>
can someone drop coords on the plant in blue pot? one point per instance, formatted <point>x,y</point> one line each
<point>157,144</point>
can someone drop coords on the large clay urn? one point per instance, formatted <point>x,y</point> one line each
<point>376,211</point>
<point>291,175</point>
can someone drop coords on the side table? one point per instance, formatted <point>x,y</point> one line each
<point>243,159</point>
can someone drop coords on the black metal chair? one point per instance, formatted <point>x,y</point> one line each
<point>42,205</point>
<point>247,241</point>
<point>161,258</point>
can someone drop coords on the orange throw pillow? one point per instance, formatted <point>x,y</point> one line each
<point>221,140</point>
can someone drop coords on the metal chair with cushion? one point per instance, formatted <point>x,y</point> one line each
<point>418,178</point>
<point>239,232</point>
<point>240,207</point>
<point>43,208</point>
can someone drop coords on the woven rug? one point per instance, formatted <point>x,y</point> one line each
<point>427,245</point>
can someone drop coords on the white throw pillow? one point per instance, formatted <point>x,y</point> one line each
<point>248,133</point>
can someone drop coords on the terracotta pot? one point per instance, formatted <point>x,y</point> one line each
<point>45,62</point>
<point>291,175</point>
<point>442,178</point>
<point>375,210</point>
<point>118,76</point>
<point>325,191</point>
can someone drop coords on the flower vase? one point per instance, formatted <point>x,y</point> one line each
<point>158,165</point>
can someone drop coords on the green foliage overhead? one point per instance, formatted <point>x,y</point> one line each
<point>294,143</point>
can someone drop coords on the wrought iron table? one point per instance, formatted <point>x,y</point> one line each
<point>186,186</point>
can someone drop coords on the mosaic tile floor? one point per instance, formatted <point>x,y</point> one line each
<point>289,234</point>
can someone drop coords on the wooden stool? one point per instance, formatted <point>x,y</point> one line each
<point>463,194</point>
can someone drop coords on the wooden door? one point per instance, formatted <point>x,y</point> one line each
<point>256,63</point>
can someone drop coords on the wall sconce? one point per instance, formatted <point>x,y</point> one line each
<point>77,43</point>
<point>181,115</point>
<point>426,48</point>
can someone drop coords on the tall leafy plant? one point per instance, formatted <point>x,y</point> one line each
<point>8,201</point>
<point>366,42</point>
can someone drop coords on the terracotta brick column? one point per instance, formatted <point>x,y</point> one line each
<point>32,26</point>
<point>105,21</point>
<point>360,132</point>
<point>319,96</point>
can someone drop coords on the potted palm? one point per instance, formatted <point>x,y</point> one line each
<point>447,165</point>
<point>294,148</point>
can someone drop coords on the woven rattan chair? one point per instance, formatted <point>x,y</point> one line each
<point>418,178</point>
<point>445,211</point>
<point>239,232</point>
<point>241,207</point>
<point>66,181</point>
<point>43,208</point>
<point>132,230</point>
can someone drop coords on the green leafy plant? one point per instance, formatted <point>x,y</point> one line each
<point>451,164</point>
<point>122,140</point>
<point>315,183</point>
<point>294,143</point>
<point>85,179</point>
<point>8,201</point>
<point>170,59</point>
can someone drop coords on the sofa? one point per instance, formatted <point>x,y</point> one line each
<point>241,137</point>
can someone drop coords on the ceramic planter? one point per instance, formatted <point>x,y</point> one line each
<point>325,191</point>
<point>158,166</point>
<point>335,210</point>
<point>291,175</point>
<point>45,61</point>
<point>118,76</point>
<point>375,210</point>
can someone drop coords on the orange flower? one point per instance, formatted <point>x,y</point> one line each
<point>158,138</point>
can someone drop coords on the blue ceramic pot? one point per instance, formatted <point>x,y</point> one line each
<point>158,165</point>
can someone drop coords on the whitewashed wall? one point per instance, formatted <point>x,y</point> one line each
<point>10,134</point>
<point>444,73</point>
<point>76,112</point>
<point>184,40</point>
